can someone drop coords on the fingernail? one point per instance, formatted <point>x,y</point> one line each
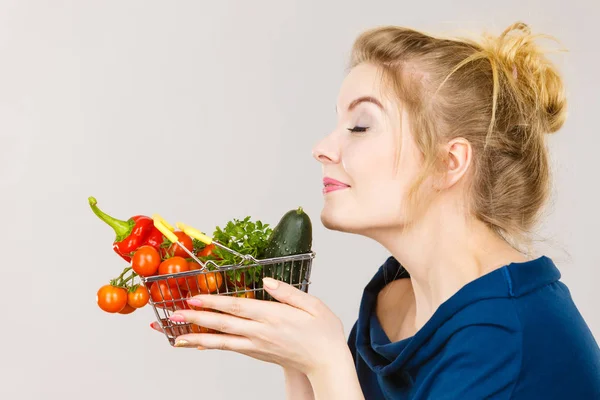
<point>270,283</point>
<point>181,343</point>
<point>195,302</point>
<point>177,318</point>
<point>201,348</point>
<point>154,325</point>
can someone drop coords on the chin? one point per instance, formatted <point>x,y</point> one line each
<point>329,221</point>
<point>333,219</point>
<point>359,222</point>
<point>342,221</point>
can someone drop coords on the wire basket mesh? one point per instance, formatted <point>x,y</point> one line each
<point>170,292</point>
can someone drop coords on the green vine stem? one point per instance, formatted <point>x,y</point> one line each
<point>123,282</point>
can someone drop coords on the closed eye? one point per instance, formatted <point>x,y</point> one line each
<point>358,129</point>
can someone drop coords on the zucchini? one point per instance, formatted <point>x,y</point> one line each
<point>292,235</point>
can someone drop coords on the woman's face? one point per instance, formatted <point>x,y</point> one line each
<point>364,183</point>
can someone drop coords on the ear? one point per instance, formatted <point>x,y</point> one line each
<point>458,155</point>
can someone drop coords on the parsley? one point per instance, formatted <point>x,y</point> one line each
<point>246,237</point>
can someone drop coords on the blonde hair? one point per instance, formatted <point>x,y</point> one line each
<point>499,93</point>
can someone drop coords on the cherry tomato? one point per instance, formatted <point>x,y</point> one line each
<point>192,282</point>
<point>174,265</point>
<point>208,282</point>
<point>111,299</point>
<point>145,261</point>
<point>174,250</point>
<point>200,329</point>
<point>250,294</point>
<point>139,297</point>
<point>207,251</point>
<point>165,295</point>
<point>127,309</point>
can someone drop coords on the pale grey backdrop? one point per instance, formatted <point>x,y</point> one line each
<point>205,111</point>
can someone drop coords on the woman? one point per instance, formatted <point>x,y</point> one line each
<point>439,155</point>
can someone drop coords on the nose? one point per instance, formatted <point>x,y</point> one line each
<point>326,151</point>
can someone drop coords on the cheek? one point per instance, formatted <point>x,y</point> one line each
<point>382,177</point>
<point>380,184</point>
<point>368,161</point>
<point>371,168</point>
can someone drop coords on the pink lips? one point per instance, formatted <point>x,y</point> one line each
<point>333,185</point>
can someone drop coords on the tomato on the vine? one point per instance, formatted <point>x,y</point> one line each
<point>145,261</point>
<point>111,299</point>
<point>139,297</point>
<point>127,309</point>
<point>174,250</point>
<point>174,265</point>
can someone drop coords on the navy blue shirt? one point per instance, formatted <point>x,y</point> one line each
<point>513,333</point>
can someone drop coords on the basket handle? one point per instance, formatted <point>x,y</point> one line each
<point>194,233</point>
<point>165,228</point>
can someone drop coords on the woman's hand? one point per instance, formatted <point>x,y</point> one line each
<point>300,332</point>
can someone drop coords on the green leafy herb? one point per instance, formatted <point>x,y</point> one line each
<point>246,237</point>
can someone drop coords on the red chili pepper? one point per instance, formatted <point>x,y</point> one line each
<point>131,234</point>
<point>156,238</point>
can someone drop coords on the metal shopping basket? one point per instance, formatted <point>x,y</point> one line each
<point>224,280</point>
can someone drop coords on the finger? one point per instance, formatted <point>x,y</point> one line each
<point>215,342</point>
<point>220,322</point>
<point>288,294</point>
<point>240,307</point>
<point>154,325</point>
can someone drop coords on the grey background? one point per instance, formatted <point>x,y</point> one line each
<point>202,112</point>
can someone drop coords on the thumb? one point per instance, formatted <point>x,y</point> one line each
<point>288,294</point>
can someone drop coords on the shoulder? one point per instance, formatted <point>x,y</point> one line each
<point>504,348</point>
<point>476,348</point>
<point>480,360</point>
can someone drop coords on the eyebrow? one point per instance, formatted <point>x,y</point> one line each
<point>363,99</point>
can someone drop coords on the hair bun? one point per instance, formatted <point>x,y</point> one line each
<point>536,79</point>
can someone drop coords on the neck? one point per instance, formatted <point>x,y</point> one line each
<point>444,252</point>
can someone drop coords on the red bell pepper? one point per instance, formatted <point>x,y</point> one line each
<point>131,234</point>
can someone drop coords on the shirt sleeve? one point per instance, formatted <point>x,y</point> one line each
<point>478,362</point>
